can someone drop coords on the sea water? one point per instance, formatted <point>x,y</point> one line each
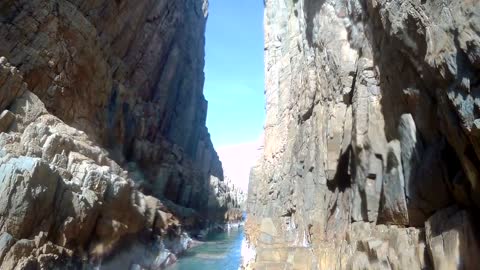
<point>220,251</point>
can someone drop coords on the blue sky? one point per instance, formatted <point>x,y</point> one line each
<point>234,80</point>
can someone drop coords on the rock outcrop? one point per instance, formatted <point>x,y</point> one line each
<point>105,159</point>
<point>371,157</point>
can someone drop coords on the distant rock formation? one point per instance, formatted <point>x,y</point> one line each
<point>372,147</point>
<point>103,144</point>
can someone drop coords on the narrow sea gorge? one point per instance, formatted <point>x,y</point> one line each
<point>218,251</point>
<point>139,135</point>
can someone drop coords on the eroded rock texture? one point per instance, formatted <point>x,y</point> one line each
<point>371,155</point>
<point>103,144</point>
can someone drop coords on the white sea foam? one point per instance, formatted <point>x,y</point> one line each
<point>248,253</point>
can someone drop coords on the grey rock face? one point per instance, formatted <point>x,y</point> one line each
<point>27,196</point>
<point>452,241</point>
<point>370,127</point>
<point>6,119</point>
<point>394,205</point>
<point>6,241</point>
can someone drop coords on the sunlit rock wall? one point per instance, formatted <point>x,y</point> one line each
<point>103,143</point>
<point>371,155</point>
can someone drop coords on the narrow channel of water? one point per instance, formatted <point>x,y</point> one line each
<point>221,251</point>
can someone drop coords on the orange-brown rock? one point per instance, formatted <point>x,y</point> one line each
<point>103,144</point>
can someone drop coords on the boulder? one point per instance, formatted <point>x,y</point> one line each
<point>27,196</point>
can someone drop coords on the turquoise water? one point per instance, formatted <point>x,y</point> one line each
<point>221,251</point>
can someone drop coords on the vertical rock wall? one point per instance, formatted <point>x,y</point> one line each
<point>130,75</point>
<point>371,149</point>
<point>103,144</point>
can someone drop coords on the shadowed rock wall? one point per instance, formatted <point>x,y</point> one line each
<point>371,151</point>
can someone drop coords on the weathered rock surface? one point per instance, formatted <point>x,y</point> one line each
<point>452,240</point>
<point>370,134</point>
<point>103,145</point>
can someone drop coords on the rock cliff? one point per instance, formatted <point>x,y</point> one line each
<point>105,159</point>
<point>372,150</point>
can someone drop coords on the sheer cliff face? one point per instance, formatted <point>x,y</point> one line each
<point>128,74</point>
<point>372,111</point>
<point>102,131</point>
